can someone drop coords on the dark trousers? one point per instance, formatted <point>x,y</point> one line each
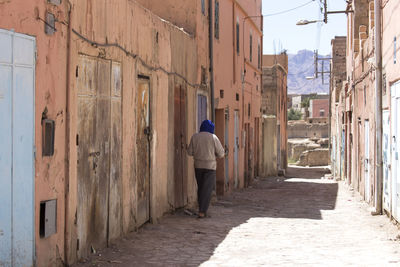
<point>205,183</point>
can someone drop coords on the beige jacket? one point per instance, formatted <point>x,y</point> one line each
<point>205,148</point>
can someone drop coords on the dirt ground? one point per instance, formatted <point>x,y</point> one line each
<point>302,219</point>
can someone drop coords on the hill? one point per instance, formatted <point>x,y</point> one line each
<point>301,65</point>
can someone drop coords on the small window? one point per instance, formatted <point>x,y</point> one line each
<point>237,37</point>
<point>259,55</point>
<point>203,7</point>
<point>216,23</point>
<point>249,109</point>
<point>322,113</point>
<point>394,52</point>
<point>251,47</point>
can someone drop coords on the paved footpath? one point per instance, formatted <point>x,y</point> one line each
<point>297,220</point>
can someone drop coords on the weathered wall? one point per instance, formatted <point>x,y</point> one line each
<point>143,45</point>
<point>269,166</point>
<point>50,102</point>
<point>307,130</point>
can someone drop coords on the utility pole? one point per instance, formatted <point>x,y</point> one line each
<point>316,71</point>
<point>378,109</point>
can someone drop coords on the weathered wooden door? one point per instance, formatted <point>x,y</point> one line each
<point>143,150</point>
<point>236,149</point>
<point>367,162</point>
<point>180,145</point>
<point>395,142</point>
<point>99,153</point>
<point>17,113</point>
<point>386,160</point>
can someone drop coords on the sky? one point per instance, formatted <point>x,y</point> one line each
<point>282,33</point>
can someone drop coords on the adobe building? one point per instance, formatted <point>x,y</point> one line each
<point>338,78</point>
<point>274,110</point>
<point>390,109</point>
<point>319,108</point>
<point>97,113</point>
<point>237,43</point>
<point>107,117</point>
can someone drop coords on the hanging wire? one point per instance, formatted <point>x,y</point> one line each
<point>288,10</point>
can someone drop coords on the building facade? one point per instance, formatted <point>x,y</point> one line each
<point>101,99</point>
<point>274,111</point>
<point>358,106</point>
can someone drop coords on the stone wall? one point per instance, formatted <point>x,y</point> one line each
<point>301,129</point>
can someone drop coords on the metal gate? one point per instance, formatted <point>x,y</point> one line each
<point>143,133</point>
<point>386,159</point>
<point>395,161</point>
<point>180,146</point>
<point>17,113</point>
<point>367,163</point>
<point>99,211</point>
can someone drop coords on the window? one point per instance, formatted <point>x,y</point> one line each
<point>203,7</point>
<point>259,55</point>
<point>237,36</point>
<point>394,52</point>
<point>216,23</point>
<point>322,112</point>
<point>251,47</point>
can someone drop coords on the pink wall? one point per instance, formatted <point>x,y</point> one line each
<point>50,86</point>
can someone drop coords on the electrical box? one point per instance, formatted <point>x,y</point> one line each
<point>48,218</point>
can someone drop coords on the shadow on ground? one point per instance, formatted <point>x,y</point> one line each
<point>182,240</point>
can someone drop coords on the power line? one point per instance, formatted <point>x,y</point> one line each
<point>288,10</point>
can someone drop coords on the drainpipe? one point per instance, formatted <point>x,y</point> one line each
<point>67,139</point>
<point>378,111</point>
<point>211,52</point>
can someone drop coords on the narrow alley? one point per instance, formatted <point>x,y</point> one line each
<point>302,219</point>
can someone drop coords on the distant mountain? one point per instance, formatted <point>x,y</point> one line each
<point>301,65</point>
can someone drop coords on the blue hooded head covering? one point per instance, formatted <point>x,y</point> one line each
<point>207,126</point>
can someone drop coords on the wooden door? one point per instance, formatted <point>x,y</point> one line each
<point>226,147</point>
<point>143,150</point>
<point>201,110</point>
<point>17,134</point>
<point>99,209</point>
<point>180,163</point>
<point>93,141</point>
<point>236,150</point>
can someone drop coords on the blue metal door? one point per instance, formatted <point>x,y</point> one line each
<point>17,79</point>
<point>386,160</point>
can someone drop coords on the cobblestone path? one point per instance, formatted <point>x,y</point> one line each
<point>297,220</point>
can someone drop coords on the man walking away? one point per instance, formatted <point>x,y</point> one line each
<point>205,147</point>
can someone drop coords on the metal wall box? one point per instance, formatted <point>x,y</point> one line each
<point>54,2</point>
<point>48,128</point>
<point>48,218</point>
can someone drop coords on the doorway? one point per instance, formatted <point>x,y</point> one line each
<point>98,140</point>
<point>395,124</point>
<point>367,163</point>
<point>236,149</point>
<point>180,158</point>
<point>143,133</point>
<point>17,135</point>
